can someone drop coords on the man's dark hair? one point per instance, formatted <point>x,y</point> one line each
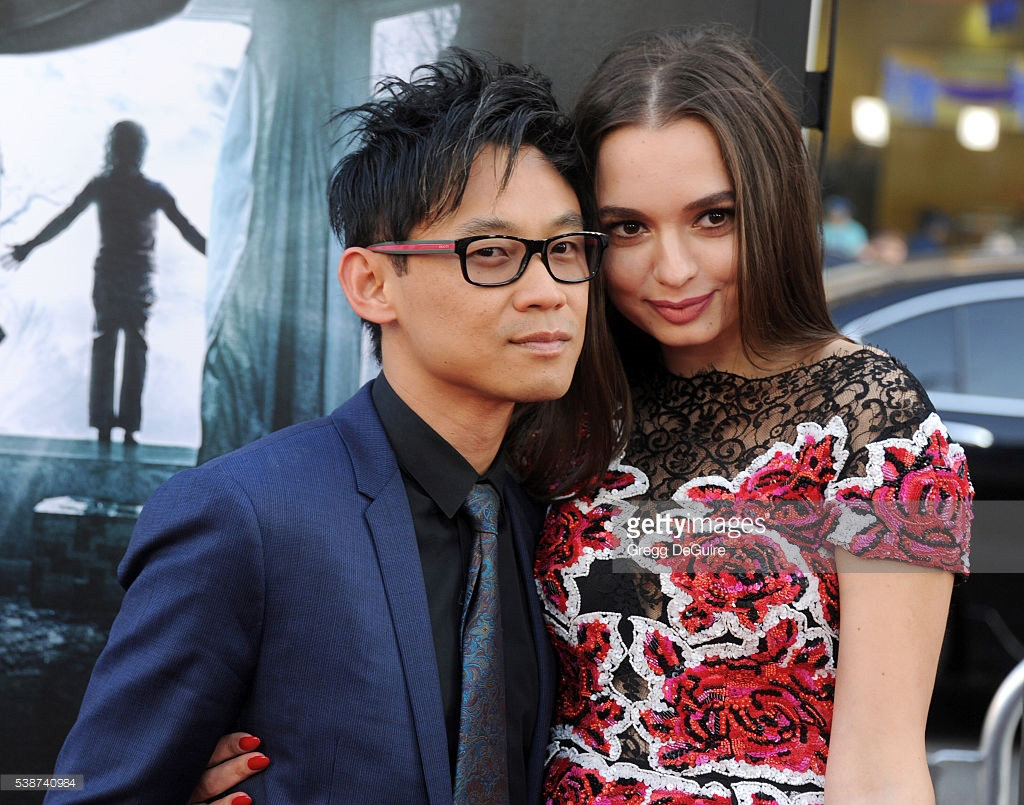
<point>415,146</point>
<point>418,139</point>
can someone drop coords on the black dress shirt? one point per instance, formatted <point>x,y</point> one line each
<point>437,481</point>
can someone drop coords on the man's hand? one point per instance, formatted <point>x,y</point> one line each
<point>233,761</point>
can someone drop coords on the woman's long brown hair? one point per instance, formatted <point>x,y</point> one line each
<point>712,74</point>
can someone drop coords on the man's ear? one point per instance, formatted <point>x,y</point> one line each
<point>365,277</point>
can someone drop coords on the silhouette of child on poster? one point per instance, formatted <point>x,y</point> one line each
<point>3,335</point>
<point>127,202</point>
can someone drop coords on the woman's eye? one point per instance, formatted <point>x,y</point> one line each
<point>716,218</point>
<point>626,229</point>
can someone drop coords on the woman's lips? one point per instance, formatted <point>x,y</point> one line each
<point>683,311</point>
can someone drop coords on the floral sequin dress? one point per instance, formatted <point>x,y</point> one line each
<point>710,681</point>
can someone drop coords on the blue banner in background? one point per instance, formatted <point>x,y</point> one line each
<point>1017,89</point>
<point>1003,14</point>
<point>923,90</point>
<point>911,92</point>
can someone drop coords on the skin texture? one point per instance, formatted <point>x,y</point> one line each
<point>461,356</point>
<point>232,762</point>
<point>666,201</point>
<point>893,620</point>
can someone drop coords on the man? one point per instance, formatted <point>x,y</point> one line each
<point>311,588</point>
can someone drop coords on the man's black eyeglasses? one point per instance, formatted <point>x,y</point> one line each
<point>490,260</point>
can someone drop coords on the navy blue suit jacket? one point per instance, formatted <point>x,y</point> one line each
<point>278,590</point>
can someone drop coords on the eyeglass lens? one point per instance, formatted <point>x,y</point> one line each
<point>573,258</point>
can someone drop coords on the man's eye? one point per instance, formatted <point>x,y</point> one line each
<point>489,253</point>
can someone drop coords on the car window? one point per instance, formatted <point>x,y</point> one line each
<point>993,344</point>
<point>925,344</point>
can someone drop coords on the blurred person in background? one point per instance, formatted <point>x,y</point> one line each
<point>931,237</point>
<point>845,238</point>
<point>127,202</point>
<point>887,247</point>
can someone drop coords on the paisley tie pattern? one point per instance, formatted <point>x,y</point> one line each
<point>481,776</point>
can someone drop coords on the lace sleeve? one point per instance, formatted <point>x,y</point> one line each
<point>905,493</point>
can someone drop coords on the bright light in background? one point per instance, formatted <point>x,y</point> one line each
<point>871,120</point>
<point>175,79</point>
<point>401,43</point>
<point>977,128</point>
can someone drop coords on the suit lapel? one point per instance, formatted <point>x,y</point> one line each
<point>398,554</point>
<point>390,523</point>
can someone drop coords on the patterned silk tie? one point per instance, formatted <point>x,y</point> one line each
<point>481,774</point>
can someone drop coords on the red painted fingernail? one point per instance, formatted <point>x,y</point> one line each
<point>258,763</point>
<point>248,743</point>
<point>241,799</point>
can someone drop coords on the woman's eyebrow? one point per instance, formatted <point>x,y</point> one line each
<point>710,200</point>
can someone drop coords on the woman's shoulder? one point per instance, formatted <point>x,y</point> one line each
<point>849,363</point>
<point>843,350</point>
<point>873,392</point>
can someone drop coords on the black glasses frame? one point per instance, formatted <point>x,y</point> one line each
<point>461,246</point>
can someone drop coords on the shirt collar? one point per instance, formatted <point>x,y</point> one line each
<point>423,453</point>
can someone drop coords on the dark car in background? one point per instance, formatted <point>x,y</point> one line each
<point>958,325</point>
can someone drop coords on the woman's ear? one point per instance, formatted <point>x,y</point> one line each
<point>365,278</point>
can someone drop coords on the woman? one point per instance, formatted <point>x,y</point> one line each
<point>712,676</point>
<point>717,680</point>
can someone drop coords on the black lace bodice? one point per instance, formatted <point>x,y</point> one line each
<point>716,423</point>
